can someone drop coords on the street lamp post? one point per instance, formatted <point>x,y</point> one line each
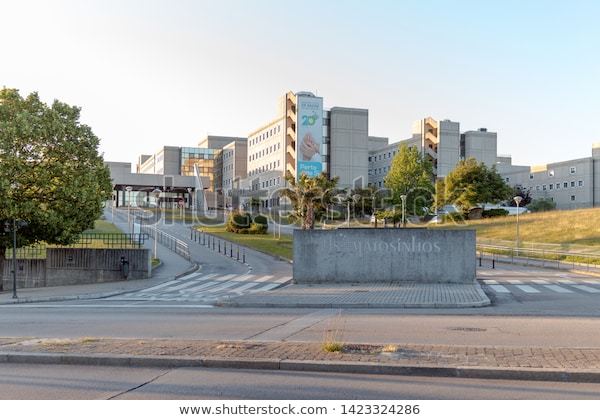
<point>156,193</point>
<point>518,200</point>
<point>403,198</point>
<point>129,189</point>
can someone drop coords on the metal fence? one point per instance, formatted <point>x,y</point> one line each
<point>538,257</point>
<point>220,245</point>
<point>85,241</point>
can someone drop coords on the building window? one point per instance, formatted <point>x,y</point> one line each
<point>566,185</point>
<point>580,183</point>
<point>572,198</point>
<point>551,172</point>
<point>507,179</point>
<point>537,187</point>
<point>572,184</point>
<point>530,176</point>
<point>551,186</point>
<point>572,170</point>
<point>544,187</point>
<point>558,185</point>
<point>369,158</point>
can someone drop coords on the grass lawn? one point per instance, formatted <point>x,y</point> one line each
<point>102,226</point>
<point>265,243</point>
<point>568,230</point>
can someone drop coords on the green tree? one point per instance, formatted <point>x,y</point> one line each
<point>471,184</point>
<point>51,175</point>
<point>309,197</point>
<point>541,204</point>
<point>411,174</point>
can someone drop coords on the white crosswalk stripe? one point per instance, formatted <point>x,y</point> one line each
<point>558,289</point>
<point>527,289</point>
<point>499,288</point>
<point>586,288</point>
<point>160,286</point>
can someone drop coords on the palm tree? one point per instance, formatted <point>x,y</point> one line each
<point>309,196</point>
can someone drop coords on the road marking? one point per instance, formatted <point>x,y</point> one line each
<point>160,286</point>
<point>586,288</point>
<point>227,277</point>
<point>528,289</point>
<point>540,281</point>
<point>566,281</point>
<point>181,286</point>
<point>499,289</point>
<point>202,286</point>
<point>263,278</point>
<point>243,287</point>
<point>208,276</point>
<point>513,281</point>
<point>244,277</point>
<point>558,289</point>
<point>221,287</point>
<point>189,276</point>
<point>486,281</point>
<point>267,287</point>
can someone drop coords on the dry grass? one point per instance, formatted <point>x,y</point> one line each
<point>390,348</point>
<point>333,334</point>
<point>569,229</point>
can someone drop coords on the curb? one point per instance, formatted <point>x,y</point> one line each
<point>479,304</point>
<point>525,374</point>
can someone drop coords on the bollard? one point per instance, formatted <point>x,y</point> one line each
<point>213,241</point>
<point>493,263</point>
<point>224,248</point>
<point>244,256</point>
<point>480,260</point>
<point>219,246</point>
<point>238,253</point>
<point>231,251</point>
<point>191,233</point>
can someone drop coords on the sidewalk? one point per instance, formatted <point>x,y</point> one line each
<point>366,295</point>
<point>527,363</point>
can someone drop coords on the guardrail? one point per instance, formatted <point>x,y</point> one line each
<point>539,257</point>
<point>220,245</point>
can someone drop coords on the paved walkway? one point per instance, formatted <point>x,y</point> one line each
<point>512,359</point>
<point>408,295</point>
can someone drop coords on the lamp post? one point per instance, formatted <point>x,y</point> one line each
<point>518,200</point>
<point>129,189</point>
<point>156,193</point>
<point>403,198</point>
<point>7,228</point>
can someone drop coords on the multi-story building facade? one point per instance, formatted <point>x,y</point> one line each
<point>570,184</point>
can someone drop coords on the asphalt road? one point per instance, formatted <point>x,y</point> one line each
<point>18,381</point>
<point>360,326</point>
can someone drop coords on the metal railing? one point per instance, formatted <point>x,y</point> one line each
<point>220,245</point>
<point>168,241</point>
<point>538,257</point>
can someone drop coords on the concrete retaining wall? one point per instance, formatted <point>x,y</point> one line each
<point>384,255</point>
<point>68,266</point>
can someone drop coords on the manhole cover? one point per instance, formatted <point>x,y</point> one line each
<point>467,329</point>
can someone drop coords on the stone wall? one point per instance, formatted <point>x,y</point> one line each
<point>384,255</point>
<point>68,266</point>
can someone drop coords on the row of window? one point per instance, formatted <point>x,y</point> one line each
<point>266,184</point>
<point>265,135</point>
<point>558,186</point>
<point>572,171</point>
<point>228,168</point>
<point>265,151</point>
<point>265,168</point>
<point>379,171</point>
<point>382,156</point>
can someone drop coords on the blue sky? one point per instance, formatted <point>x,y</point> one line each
<point>150,73</point>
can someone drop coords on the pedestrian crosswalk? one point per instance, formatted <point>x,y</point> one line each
<point>206,287</point>
<point>504,283</point>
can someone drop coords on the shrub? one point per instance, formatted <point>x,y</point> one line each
<point>261,220</point>
<point>258,229</point>
<point>495,213</point>
<point>541,204</point>
<point>238,221</point>
<point>453,217</point>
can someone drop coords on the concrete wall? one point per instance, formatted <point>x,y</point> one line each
<point>384,255</point>
<point>448,150</point>
<point>69,266</point>
<point>481,145</point>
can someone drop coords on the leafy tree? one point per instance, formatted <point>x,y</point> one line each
<point>471,184</point>
<point>541,204</point>
<point>309,196</point>
<point>51,175</point>
<point>363,200</point>
<point>411,174</point>
<point>524,193</point>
